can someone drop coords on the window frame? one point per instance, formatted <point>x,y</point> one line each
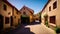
<point>55,5</point>
<point>6,20</point>
<point>52,19</point>
<point>49,8</point>
<point>5,7</point>
<point>24,13</point>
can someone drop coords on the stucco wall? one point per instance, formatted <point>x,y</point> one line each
<point>16,17</point>
<point>53,12</point>
<point>42,16</point>
<point>27,13</point>
<point>58,13</point>
<point>5,14</point>
<point>9,9</point>
<point>0,5</point>
<point>44,12</point>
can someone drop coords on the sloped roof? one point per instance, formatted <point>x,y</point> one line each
<point>10,4</point>
<point>45,5</point>
<point>31,11</point>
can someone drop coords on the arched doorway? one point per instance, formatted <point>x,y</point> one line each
<point>1,22</point>
<point>25,19</point>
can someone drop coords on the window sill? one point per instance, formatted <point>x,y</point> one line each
<point>51,24</point>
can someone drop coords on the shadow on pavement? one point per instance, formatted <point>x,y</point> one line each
<point>33,23</point>
<point>19,30</point>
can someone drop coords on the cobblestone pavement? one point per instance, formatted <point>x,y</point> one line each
<point>41,29</point>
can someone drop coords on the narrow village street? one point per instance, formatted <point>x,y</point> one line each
<point>32,29</point>
<point>40,29</point>
<point>29,16</point>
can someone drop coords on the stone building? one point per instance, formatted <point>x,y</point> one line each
<point>7,10</point>
<point>28,13</point>
<point>36,17</point>
<point>51,13</point>
<point>16,17</point>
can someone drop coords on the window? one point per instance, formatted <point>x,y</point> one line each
<point>16,12</point>
<point>4,7</point>
<point>18,20</point>
<point>50,8</point>
<point>9,13</point>
<point>24,8</point>
<point>14,16</point>
<point>55,5</point>
<point>52,19</point>
<point>24,13</point>
<point>6,20</point>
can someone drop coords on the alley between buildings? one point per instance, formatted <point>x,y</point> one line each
<point>32,29</point>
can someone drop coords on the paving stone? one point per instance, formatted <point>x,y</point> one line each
<point>41,29</point>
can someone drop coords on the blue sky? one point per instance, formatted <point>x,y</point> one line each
<point>36,5</point>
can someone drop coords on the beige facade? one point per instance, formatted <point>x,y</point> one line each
<point>52,9</point>
<point>36,17</point>
<point>27,12</point>
<point>16,17</point>
<point>7,11</point>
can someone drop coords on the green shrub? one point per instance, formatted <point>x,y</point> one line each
<point>46,23</point>
<point>57,30</point>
